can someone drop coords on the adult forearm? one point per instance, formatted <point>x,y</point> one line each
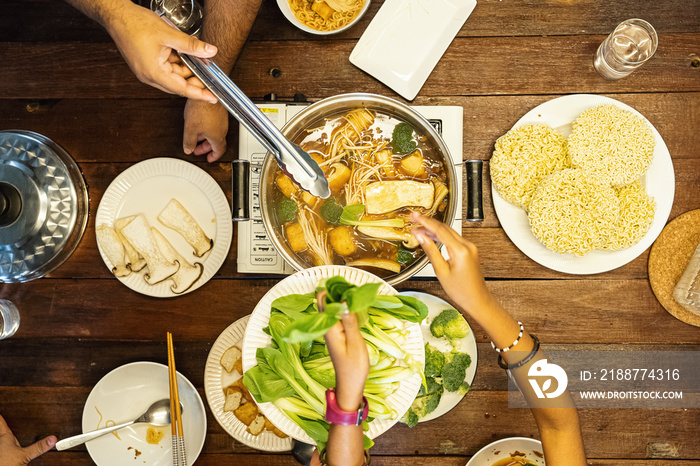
<point>102,11</point>
<point>345,446</point>
<point>227,24</point>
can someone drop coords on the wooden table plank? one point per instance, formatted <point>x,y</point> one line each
<point>35,363</point>
<point>126,130</point>
<point>558,311</point>
<point>479,419</point>
<point>55,21</point>
<point>470,66</point>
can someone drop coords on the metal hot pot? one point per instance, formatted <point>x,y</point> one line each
<point>331,107</point>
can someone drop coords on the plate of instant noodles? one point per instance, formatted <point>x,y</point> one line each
<point>323,17</point>
<point>582,184</point>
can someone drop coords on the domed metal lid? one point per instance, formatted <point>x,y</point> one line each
<point>43,206</point>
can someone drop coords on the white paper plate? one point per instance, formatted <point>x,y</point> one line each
<point>659,181</point>
<point>501,449</point>
<point>216,379</point>
<point>146,188</point>
<point>407,38</point>
<point>467,345</point>
<point>123,395</point>
<point>305,281</point>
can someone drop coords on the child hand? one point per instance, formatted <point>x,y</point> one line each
<point>348,352</point>
<point>460,275</point>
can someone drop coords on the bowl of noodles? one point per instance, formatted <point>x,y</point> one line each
<point>383,160</point>
<point>323,17</point>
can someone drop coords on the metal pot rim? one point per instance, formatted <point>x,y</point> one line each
<point>338,104</point>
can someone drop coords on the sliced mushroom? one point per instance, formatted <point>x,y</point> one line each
<point>136,262</point>
<point>187,274</point>
<point>179,219</point>
<point>385,264</point>
<point>386,196</point>
<point>391,234</point>
<point>139,234</point>
<point>112,247</point>
<point>440,194</point>
<point>385,161</point>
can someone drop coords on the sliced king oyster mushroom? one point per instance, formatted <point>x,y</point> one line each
<point>139,234</point>
<point>188,274</point>
<point>113,248</point>
<point>175,216</point>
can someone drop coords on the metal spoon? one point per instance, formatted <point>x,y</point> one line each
<point>302,452</point>
<point>158,414</point>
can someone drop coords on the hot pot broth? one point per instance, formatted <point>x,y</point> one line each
<point>370,159</point>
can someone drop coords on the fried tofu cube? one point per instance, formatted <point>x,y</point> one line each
<point>279,433</point>
<point>257,426</point>
<point>230,357</point>
<point>239,384</point>
<point>295,237</point>
<point>268,425</point>
<point>286,185</point>
<point>342,241</point>
<point>234,397</point>
<point>238,366</point>
<point>322,9</point>
<point>246,413</point>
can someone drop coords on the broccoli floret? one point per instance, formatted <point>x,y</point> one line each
<point>454,370</point>
<point>287,210</point>
<point>450,324</point>
<point>402,139</point>
<point>432,386</point>
<point>411,418</point>
<point>434,360</point>
<point>331,211</point>
<point>464,388</point>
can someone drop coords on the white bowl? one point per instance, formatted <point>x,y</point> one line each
<point>502,449</point>
<point>287,12</point>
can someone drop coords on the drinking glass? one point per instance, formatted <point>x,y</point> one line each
<point>631,44</point>
<point>9,319</point>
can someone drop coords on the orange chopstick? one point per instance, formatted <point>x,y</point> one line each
<point>175,411</point>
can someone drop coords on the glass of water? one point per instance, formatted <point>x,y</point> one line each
<point>631,44</point>
<point>9,319</point>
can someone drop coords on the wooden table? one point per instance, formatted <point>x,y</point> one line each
<point>63,77</point>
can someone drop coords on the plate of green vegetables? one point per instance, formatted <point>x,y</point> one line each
<point>286,364</point>
<point>450,360</point>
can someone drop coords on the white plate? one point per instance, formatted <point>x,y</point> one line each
<point>305,281</point>
<point>501,449</point>
<point>659,181</point>
<point>123,395</point>
<point>407,38</point>
<point>146,188</point>
<point>287,12</point>
<point>467,345</point>
<point>216,379</point>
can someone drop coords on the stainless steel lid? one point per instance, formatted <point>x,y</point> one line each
<point>43,206</point>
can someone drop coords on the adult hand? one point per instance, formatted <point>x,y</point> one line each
<point>12,453</point>
<point>148,45</point>
<point>460,275</point>
<point>348,352</point>
<point>206,126</point>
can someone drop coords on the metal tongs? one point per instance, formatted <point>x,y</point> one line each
<point>291,158</point>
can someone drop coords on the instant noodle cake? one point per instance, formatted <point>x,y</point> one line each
<point>572,211</point>
<point>612,143</point>
<point>523,157</point>
<point>636,216</point>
